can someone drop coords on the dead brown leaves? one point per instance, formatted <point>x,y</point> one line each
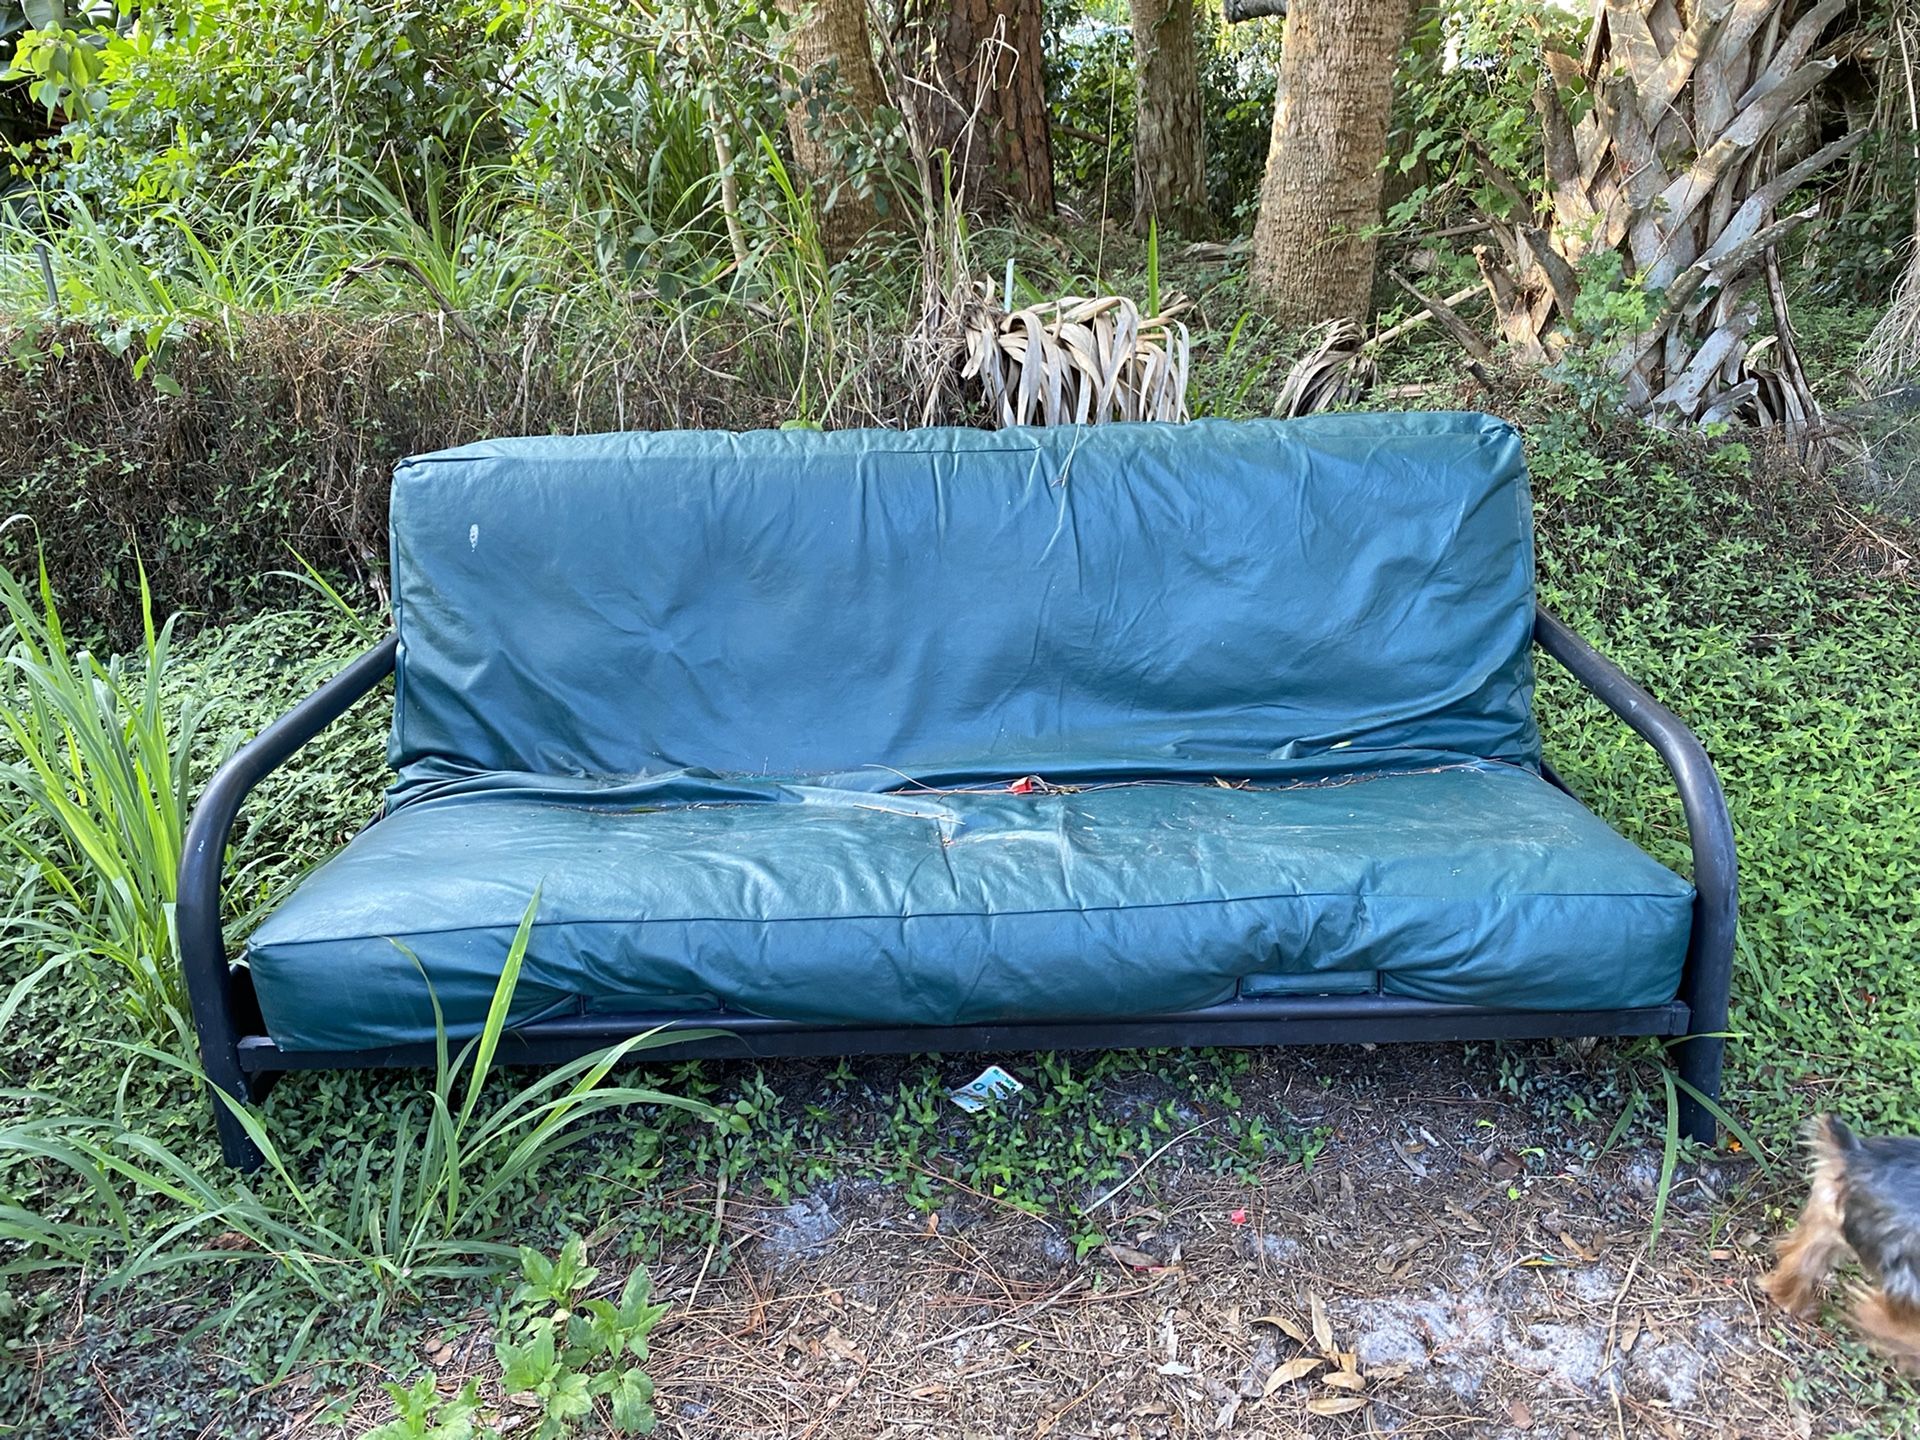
<point>1342,1387</point>
<point>1078,360</point>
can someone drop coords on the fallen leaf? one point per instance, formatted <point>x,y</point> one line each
<point>1288,1326</point>
<point>1127,1255</point>
<point>837,1344</point>
<point>1295,1369</point>
<point>1380,1374</point>
<point>1521,1414</point>
<point>1464,1218</point>
<point>1349,1361</point>
<point>1396,1260</point>
<point>1343,1380</point>
<point>1322,1326</point>
<point>1337,1404</point>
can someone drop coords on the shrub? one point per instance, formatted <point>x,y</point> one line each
<point>286,429</point>
<point>1465,137</point>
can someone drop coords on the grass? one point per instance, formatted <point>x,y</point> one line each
<point>415,1216</point>
<point>94,808</point>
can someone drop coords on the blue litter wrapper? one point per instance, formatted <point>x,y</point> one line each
<point>990,1086</point>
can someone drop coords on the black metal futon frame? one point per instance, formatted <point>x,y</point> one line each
<point>243,1061</point>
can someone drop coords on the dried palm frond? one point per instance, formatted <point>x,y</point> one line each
<point>1341,363</point>
<point>1893,350</point>
<point>1077,361</point>
<point>1677,163</point>
<point>1337,367</point>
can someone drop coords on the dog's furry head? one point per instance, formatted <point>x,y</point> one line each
<point>1878,1183</point>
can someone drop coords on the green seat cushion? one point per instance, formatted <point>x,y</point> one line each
<point>1475,883</point>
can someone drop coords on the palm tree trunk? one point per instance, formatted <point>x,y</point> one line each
<point>832,54</point>
<point>1313,242</point>
<point>1169,154</point>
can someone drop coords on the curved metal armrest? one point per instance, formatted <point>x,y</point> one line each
<point>1706,981</point>
<point>203,956</point>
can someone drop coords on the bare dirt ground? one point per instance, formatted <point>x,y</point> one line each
<point>1449,1265</point>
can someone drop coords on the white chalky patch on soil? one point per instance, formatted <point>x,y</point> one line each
<point>800,1230</point>
<point>1452,1333</point>
<point>1548,1349</point>
<point>1673,1371</point>
<point>1595,1282</point>
<point>1453,1338</point>
<point>1280,1248</point>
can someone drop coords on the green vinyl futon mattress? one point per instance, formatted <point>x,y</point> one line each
<point>949,726</point>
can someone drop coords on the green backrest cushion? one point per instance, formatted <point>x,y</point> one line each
<point>870,609</point>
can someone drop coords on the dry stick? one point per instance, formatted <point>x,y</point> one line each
<point>1063,1293</point>
<point>1421,317</point>
<point>1861,524</point>
<point>1142,1168</point>
<point>1458,329</point>
<point>1046,1426</point>
<point>1472,227</point>
<point>1613,1329</point>
<point>959,1184</point>
<point>719,1214</point>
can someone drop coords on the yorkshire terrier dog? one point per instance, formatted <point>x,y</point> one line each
<point>1865,1198</point>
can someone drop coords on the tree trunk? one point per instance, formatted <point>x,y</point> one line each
<point>983,98</point>
<point>832,54</point>
<point>1169,154</point>
<point>1312,243</point>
